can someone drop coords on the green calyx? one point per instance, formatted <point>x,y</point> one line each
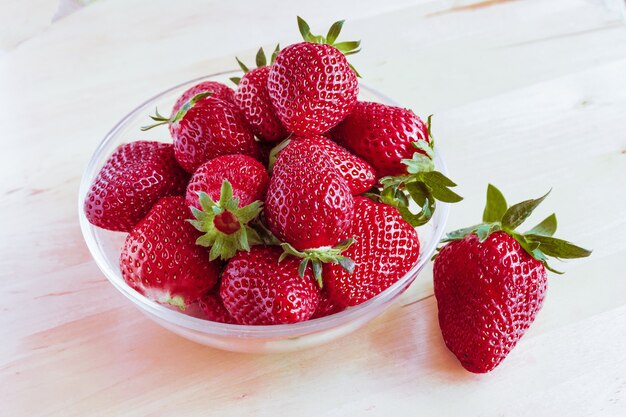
<point>320,256</point>
<point>162,120</point>
<point>422,184</point>
<point>346,47</point>
<point>225,225</point>
<point>261,61</point>
<point>538,242</point>
<point>176,301</point>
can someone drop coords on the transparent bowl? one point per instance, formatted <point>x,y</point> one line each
<point>105,247</point>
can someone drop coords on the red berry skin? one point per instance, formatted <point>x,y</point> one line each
<point>382,135</point>
<point>209,129</point>
<point>161,260</point>
<point>308,203</point>
<point>359,175</point>
<point>386,248</point>
<point>312,87</point>
<point>254,102</point>
<point>219,90</point>
<point>257,289</point>
<point>326,306</point>
<point>247,176</point>
<point>134,177</point>
<point>487,294</point>
<point>213,308</point>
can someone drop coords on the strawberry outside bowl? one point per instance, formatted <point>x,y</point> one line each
<point>105,247</point>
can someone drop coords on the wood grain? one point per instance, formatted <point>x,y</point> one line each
<point>527,95</point>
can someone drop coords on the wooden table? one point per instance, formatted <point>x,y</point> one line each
<point>526,94</point>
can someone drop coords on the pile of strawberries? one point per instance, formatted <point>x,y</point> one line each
<point>288,199</point>
<point>284,200</point>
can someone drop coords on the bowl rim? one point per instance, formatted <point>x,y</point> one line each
<point>223,329</point>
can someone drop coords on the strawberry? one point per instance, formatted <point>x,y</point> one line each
<point>311,84</point>
<point>258,288</point>
<point>401,149</point>
<point>382,135</point>
<point>213,308</point>
<point>253,100</point>
<point>134,177</point>
<point>246,175</point>
<point>161,260</point>
<point>225,195</point>
<point>386,247</point>
<point>206,127</point>
<point>357,173</point>
<point>326,305</point>
<point>309,205</point>
<point>218,90</point>
<point>490,281</point>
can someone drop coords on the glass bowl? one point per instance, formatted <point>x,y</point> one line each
<point>105,247</point>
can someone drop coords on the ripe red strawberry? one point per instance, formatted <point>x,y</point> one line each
<point>399,146</point>
<point>382,135</point>
<point>259,289</point>
<point>359,175</point>
<point>134,177</point>
<point>213,308</point>
<point>311,84</point>
<point>386,247</point>
<point>161,260</point>
<point>206,127</point>
<point>308,204</point>
<point>490,281</point>
<point>225,195</point>
<point>218,90</point>
<point>253,100</point>
<point>326,305</point>
<point>247,176</point>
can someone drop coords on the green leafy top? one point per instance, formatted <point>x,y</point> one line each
<point>538,241</point>
<point>422,184</point>
<point>346,47</point>
<point>225,240</point>
<point>261,61</point>
<point>320,256</point>
<point>162,120</point>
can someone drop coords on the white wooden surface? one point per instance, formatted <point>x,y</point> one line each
<point>527,94</point>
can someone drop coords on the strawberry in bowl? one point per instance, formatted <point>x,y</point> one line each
<point>247,248</point>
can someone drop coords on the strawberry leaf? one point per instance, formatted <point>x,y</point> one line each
<point>334,31</point>
<point>304,28</point>
<point>418,163</point>
<point>484,230</point>
<point>243,66</point>
<point>546,228</point>
<point>460,233</point>
<point>261,60</point>
<point>275,53</point>
<point>438,184</point>
<point>558,248</point>
<point>517,213</point>
<point>348,46</point>
<point>496,205</point>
